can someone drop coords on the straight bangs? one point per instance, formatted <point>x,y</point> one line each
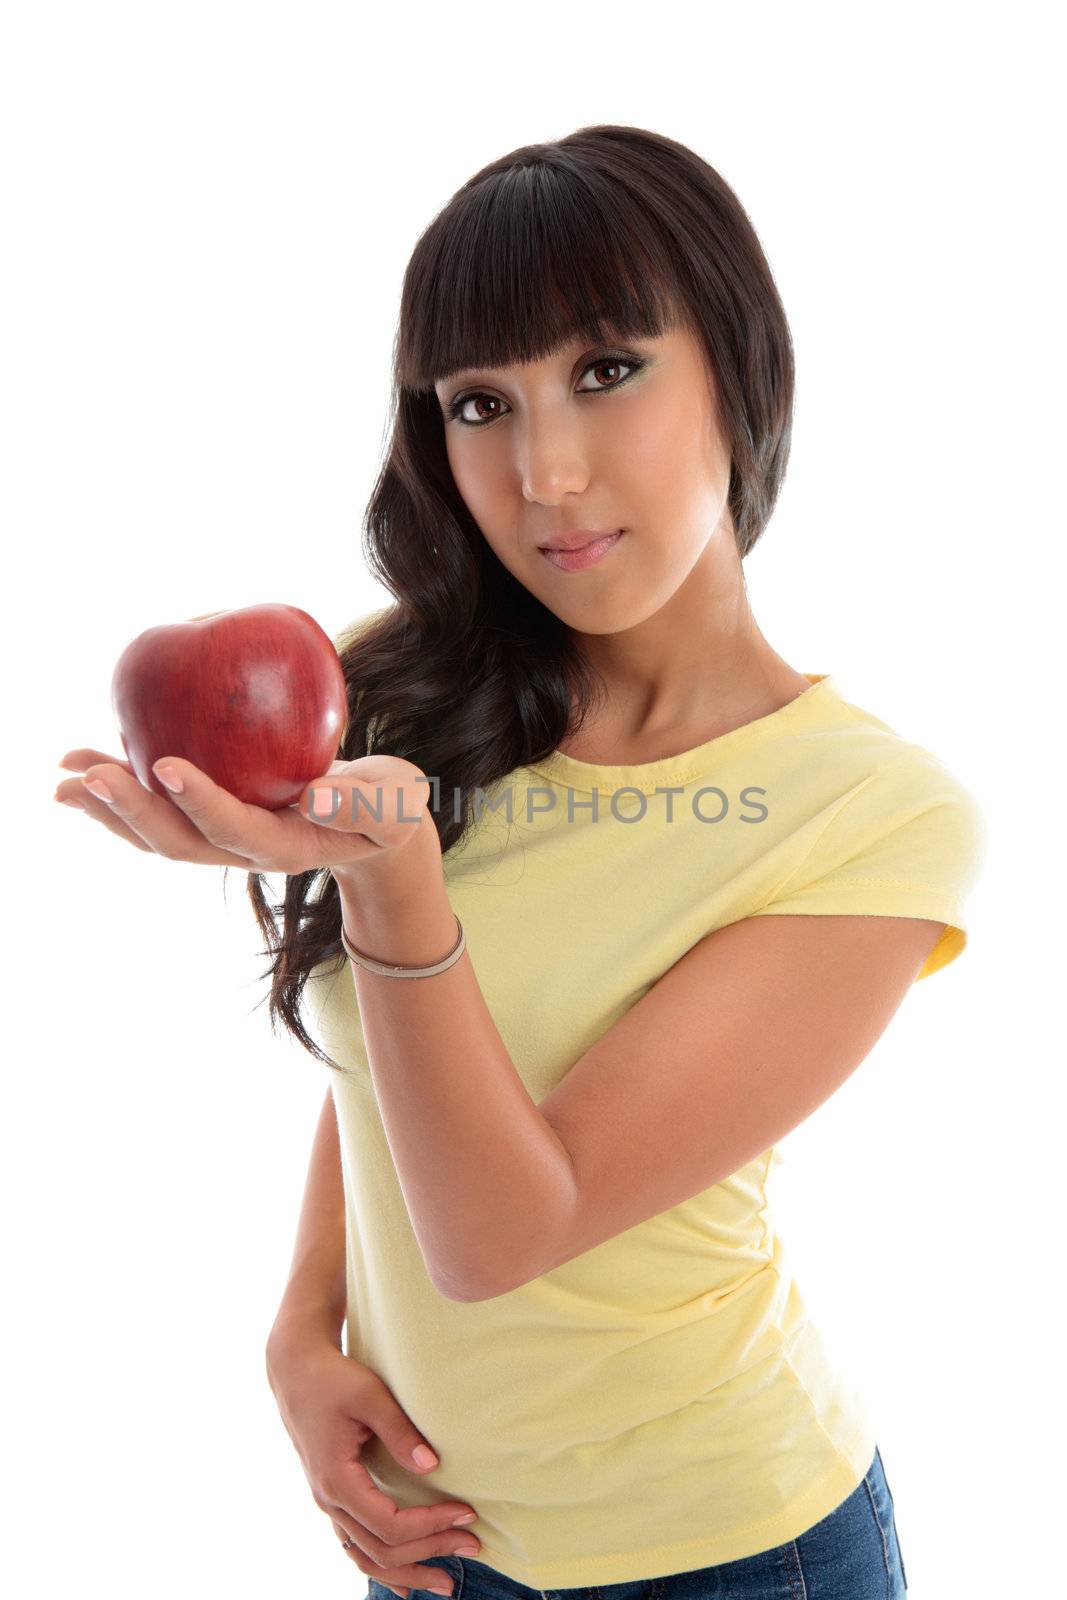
<point>521,263</point>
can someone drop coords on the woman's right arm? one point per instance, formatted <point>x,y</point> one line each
<point>315,1295</point>
<point>332,1405</point>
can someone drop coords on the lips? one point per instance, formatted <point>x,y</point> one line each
<point>578,539</point>
<point>586,555</point>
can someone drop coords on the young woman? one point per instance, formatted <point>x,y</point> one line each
<point>623,897</point>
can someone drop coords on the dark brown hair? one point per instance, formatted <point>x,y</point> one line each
<point>612,231</point>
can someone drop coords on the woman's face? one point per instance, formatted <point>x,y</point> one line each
<point>599,437</point>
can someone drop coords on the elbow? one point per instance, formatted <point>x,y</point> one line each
<point>486,1287</point>
<point>462,1296</point>
<point>462,1286</point>
<point>468,1296</point>
<point>464,1292</point>
<point>527,1243</point>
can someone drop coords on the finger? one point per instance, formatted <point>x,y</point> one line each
<point>78,760</point>
<point>77,796</point>
<point>161,825</point>
<point>397,1558</point>
<point>359,1558</point>
<point>348,1549</point>
<point>422,1575</point>
<point>390,1534</point>
<point>398,1576</point>
<point>234,827</point>
<point>367,796</point>
<point>377,1516</point>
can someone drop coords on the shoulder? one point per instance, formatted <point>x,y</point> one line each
<point>890,831</point>
<point>918,792</point>
<point>887,775</point>
<point>355,629</point>
<point>901,813</point>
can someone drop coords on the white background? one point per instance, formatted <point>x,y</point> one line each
<point>207,211</point>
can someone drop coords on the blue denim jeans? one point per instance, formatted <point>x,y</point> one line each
<point>852,1554</point>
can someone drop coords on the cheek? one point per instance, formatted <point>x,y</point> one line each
<point>647,439</point>
<point>673,448</point>
<point>486,500</point>
<point>671,478</point>
<point>475,483</point>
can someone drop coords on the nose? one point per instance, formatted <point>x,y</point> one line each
<point>553,459</point>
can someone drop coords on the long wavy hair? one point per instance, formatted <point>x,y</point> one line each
<point>612,232</point>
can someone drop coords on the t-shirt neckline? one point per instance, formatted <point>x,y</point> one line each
<point>687,764</point>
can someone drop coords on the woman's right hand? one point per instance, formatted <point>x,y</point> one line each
<point>331,1405</point>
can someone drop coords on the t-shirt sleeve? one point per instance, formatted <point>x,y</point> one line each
<point>911,842</point>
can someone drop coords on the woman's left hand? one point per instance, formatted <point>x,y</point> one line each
<point>208,824</point>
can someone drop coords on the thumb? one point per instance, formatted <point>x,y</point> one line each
<point>397,1431</point>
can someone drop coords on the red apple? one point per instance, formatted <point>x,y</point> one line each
<point>255,698</point>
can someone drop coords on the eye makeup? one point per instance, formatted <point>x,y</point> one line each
<point>605,358</point>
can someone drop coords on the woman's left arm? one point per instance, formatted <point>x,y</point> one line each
<point>484,1176</point>
<point>738,1042</point>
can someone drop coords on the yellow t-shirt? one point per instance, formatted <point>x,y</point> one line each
<point>662,1402</point>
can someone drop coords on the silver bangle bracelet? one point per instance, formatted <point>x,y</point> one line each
<point>387,971</point>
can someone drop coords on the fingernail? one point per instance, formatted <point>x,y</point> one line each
<point>467,1550</point>
<point>169,778</point>
<point>439,1591</point>
<point>423,1456</point>
<point>469,1516</point>
<point>100,789</point>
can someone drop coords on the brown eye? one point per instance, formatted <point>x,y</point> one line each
<point>476,399</point>
<point>477,396</point>
<point>609,362</point>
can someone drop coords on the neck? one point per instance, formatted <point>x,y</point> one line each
<point>698,660</point>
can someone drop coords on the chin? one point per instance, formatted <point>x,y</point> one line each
<point>598,615</point>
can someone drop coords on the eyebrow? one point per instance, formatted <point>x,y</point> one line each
<point>467,373</point>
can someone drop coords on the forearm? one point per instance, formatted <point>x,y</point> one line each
<point>482,1173</point>
<point>315,1294</point>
